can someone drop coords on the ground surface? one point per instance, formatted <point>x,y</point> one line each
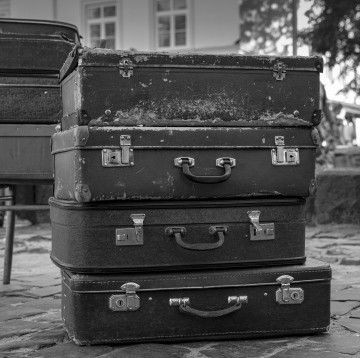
<point>31,325</point>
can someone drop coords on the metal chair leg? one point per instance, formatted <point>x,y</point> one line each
<point>9,237</point>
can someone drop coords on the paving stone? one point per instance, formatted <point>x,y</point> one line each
<point>349,261</point>
<point>44,281</point>
<point>341,308</point>
<point>328,259</point>
<point>11,287</point>
<point>44,303</point>
<point>20,327</point>
<point>339,286</point>
<point>350,323</point>
<point>51,316</point>
<point>71,350</point>
<point>55,335</point>
<point>14,301</point>
<point>7,314</point>
<point>13,347</point>
<point>346,295</point>
<point>345,344</point>
<point>44,291</point>
<point>151,351</point>
<point>355,314</point>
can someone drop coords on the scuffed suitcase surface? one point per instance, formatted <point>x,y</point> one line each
<point>87,238</point>
<point>168,89</point>
<point>35,45</point>
<point>25,154</point>
<point>30,99</point>
<point>88,318</point>
<point>151,173</point>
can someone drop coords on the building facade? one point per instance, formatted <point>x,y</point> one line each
<point>209,26</point>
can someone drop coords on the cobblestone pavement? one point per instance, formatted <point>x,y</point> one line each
<point>31,326</point>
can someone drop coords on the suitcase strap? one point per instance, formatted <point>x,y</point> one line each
<point>186,163</point>
<point>184,307</point>
<point>179,231</point>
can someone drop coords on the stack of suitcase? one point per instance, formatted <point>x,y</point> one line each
<point>180,185</point>
<point>32,53</point>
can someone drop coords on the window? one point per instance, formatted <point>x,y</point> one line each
<point>4,8</point>
<point>101,24</point>
<point>172,18</point>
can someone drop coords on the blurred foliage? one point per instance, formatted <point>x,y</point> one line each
<point>335,32</point>
<point>263,23</point>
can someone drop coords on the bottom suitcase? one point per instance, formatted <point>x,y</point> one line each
<point>197,305</point>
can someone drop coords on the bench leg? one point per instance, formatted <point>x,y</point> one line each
<point>9,236</point>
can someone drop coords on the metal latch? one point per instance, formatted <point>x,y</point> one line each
<point>279,71</point>
<point>287,295</point>
<point>126,68</point>
<point>133,235</point>
<point>123,157</point>
<point>259,232</point>
<point>284,156</point>
<point>128,302</point>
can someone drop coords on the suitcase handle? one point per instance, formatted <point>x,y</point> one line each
<point>184,306</point>
<point>178,231</point>
<point>225,163</point>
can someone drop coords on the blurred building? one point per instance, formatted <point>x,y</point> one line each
<point>209,26</point>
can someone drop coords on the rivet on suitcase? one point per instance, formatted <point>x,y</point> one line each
<point>172,235</point>
<point>205,305</point>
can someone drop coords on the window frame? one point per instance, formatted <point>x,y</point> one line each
<point>86,4</point>
<point>172,13</point>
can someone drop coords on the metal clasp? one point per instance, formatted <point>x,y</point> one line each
<point>279,71</point>
<point>178,162</point>
<point>259,232</point>
<point>131,236</point>
<point>287,295</point>
<point>284,156</point>
<point>128,302</point>
<point>126,68</point>
<point>123,157</point>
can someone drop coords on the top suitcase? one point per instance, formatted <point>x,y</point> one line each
<point>110,87</point>
<point>35,46</point>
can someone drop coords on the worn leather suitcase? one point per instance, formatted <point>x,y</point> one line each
<point>140,163</point>
<point>202,305</point>
<point>30,99</point>
<point>108,87</point>
<point>25,154</point>
<point>152,236</point>
<point>36,46</point>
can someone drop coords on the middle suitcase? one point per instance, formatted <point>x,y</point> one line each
<point>142,163</point>
<point>176,235</point>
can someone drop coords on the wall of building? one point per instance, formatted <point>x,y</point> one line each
<point>34,9</point>
<point>216,23</point>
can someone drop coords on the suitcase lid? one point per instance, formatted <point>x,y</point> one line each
<point>84,56</point>
<point>66,31</point>
<point>152,138</point>
<point>311,271</point>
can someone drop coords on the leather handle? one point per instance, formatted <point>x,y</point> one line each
<point>206,179</point>
<point>179,231</point>
<point>184,307</point>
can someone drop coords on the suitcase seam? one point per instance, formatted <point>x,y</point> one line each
<point>199,277</point>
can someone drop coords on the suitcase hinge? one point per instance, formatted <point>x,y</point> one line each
<point>126,68</point>
<point>259,232</point>
<point>128,302</point>
<point>133,235</point>
<point>287,295</point>
<point>279,71</point>
<point>282,155</point>
<point>123,157</point>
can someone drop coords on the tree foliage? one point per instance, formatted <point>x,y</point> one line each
<point>335,32</point>
<point>263,23</point>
